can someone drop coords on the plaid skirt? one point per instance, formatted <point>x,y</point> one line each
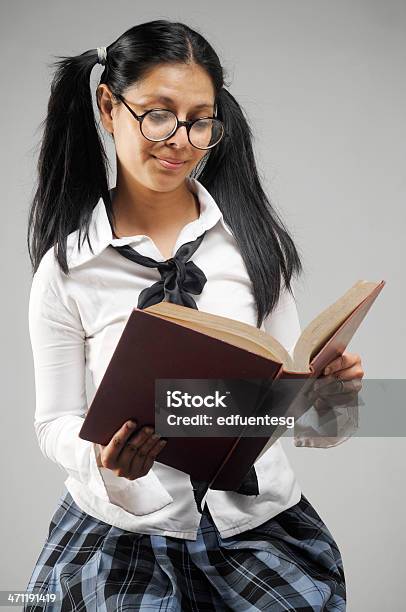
<point>290,562</point>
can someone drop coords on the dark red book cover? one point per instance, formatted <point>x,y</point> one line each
<point>153,348</point>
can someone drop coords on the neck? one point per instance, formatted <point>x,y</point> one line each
<point>140,210</point>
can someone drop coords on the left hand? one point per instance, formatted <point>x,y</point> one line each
<point>328,390</point>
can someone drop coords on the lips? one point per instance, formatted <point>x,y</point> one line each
<point>170,164</point>
<point>170,160</point>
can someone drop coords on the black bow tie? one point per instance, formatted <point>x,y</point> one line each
<point>179,277</point>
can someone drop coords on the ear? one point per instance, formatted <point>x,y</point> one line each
<point>105,105</point>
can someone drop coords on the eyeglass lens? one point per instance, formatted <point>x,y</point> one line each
<point>204,133</point>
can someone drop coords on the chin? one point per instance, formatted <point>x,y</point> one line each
<point>164,183</point>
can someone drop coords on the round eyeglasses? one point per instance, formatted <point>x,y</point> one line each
<point>159,124</point>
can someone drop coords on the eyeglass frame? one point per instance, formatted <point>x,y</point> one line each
<point>188,124</point>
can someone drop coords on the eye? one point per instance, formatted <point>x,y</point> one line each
<point>158,116</point>
<point>203,124</point>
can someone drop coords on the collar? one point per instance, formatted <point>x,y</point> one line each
<point>101,236</point>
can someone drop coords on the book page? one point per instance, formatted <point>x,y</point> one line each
<point>319,330</point>
<point>229,330</point>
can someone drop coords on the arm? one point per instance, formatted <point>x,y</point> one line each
<point>316,428</point>
<point>58,347</point>
<point>57,341</point>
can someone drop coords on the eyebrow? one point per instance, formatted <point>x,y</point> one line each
<point>167,100</point>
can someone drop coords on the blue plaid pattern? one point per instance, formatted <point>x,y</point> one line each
<point>289,563</point>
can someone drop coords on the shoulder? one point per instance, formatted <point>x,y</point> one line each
<point>49,272</point>
<point>51,288</point>
<point>48,276</point>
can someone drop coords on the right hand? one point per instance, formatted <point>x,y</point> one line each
<point>130,454</point>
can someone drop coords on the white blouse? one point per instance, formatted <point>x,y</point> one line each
<point>76,321</point>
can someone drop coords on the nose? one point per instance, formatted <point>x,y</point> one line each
<point>179,137</point>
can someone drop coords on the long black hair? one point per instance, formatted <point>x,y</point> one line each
<point>73,164</point>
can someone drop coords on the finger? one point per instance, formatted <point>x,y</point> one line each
<point>151,450</point>
<point>349,375</point>
<point>149,443</point>
<point>113,449</point>
<point>144,457</point>
<point>336,388</point>
<point>324,405</point>
<point>153,453</point>
<point>342,399</point>
<point>322,382</point>
<point>321,406</point>
<point>335,399</point>
<point>133,444</point>
<point>155,439</point>
<point>340,386</point>
<point>342,362</point>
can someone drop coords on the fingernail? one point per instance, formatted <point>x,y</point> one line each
<point>132,424</point>
<point>155,436</point>
<point>148,430</point>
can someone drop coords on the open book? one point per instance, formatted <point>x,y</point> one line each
<point>169,341</point>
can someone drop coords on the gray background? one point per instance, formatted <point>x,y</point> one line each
<point>323,84</point>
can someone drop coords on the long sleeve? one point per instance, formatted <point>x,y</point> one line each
<point>58,347</point>
<point>317,429</point>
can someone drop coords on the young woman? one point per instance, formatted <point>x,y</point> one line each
<point>187,216</point>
